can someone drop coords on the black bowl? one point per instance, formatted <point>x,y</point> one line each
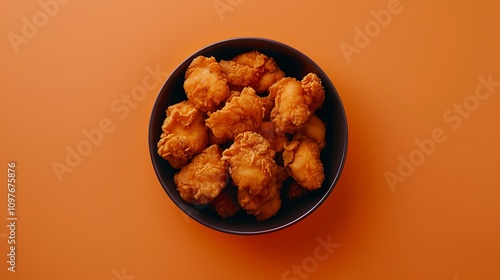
<point>294,64</point>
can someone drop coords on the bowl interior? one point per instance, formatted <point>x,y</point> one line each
<point>294,64</point>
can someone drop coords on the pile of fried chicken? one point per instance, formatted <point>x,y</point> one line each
<point>243,131</point>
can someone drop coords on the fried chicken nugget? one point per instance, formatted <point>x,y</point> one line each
<point>253,170</point>
<point>203,179</point>
<point>239,74</point>
<point>244,112</point>
<point>251,162</point>
<point>314,128</point>
<point>271,74</point>
<point>252,69</point>
<point>262,206</point>
<point>302,160</point>
<point>205,84</point>
<point>295,101</point>
<point>290,110</point>
<point>184,134</point>
<point>314,91</point>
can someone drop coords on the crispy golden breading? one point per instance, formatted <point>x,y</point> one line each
<point>269,206</point>
<point>184,134</point>
<point>314,91</point>
<point>205,84</point>
<point>232,94</point>
<point>295,101</point>
<point>302,160</point>
<point>271,74</point>
<point>226,204</point>
<point>268,202</point>
<point>203,179</point>
<point>244,112</point>
<point>252,69</point>
<point>251,162</point>
<point>264,205</point>
<point>315,129</point>
<point>276,140</point>
<point>290,110</point>
<point>238,74</point>
<point>253,170</point>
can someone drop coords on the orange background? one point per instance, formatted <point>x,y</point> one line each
<point>109,218</point>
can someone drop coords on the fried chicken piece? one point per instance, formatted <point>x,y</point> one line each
<point>303,163</point>
<point>251,162</point>
<point>253,170</point>
<point>252,69</point>
<point>276,140</point>
<point>184,134</point>
<point>226,204</point>
<point>295,101</point>
<point>242,113</point>
<point>269,206</point>
<point>203,179</point>
<point>266,204</point>
<point>262,206</point>
<point>290,110</point>
<point>205,84</point>
<point>272,73</point>
<point>238,74</point>
<point>314,91</point>
<point>314,128</point>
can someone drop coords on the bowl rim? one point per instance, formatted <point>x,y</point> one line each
<point>337,172</point>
